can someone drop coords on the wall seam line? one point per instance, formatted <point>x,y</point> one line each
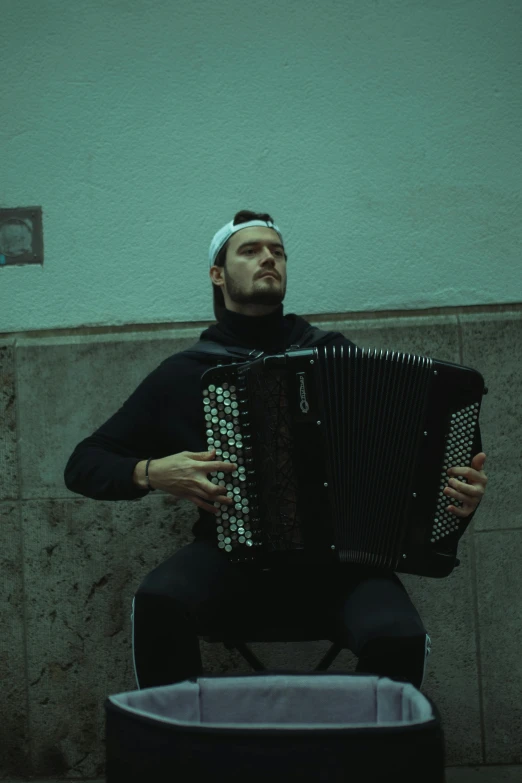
<point>30,743</point>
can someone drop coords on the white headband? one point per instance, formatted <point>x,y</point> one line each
<point>226,232</point>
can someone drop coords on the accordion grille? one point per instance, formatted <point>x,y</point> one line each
<point>373,409</point>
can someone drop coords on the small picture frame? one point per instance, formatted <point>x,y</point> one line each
<point>21,236</point>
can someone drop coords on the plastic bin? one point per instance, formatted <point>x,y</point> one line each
<point>275,727</point>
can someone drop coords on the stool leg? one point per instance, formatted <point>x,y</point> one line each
<point>247,654</point>
<point>329,657</point>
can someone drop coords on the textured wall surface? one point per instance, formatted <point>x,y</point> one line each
<point>383,137</point>
<point>71,565</point>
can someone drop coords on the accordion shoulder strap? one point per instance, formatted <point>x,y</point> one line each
<point>311,336</point>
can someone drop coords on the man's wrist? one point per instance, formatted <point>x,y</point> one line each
<point>147,475</point>
<point>138,475</point>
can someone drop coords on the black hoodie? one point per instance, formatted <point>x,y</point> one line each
<point>164,415</point>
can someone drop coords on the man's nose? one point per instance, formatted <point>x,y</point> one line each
<point>268,256</point>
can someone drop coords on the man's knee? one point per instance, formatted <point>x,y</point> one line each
<point>398,657</point>
<point>195,575</point>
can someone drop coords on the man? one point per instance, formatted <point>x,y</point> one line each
<point>157,441</point>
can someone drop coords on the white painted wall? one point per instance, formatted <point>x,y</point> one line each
<point>384,136</point>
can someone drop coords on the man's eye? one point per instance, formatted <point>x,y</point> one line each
<point>251,250</point>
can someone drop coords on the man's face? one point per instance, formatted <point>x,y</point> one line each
<point>255,269</point>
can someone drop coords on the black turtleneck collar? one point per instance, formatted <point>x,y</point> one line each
<point>272,332</point>
<point>256,331</point>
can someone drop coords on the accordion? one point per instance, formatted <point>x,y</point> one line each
<point>342,452</point>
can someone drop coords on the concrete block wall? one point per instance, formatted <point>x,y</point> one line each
<point>70,565</point>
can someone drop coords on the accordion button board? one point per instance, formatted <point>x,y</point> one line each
<point>227,431</point>
<point>458,451</point>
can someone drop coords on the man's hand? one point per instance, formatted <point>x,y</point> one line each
<point>470,493</point>
<point>184,475</point>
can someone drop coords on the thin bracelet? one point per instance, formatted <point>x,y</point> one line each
<point>147,474</point>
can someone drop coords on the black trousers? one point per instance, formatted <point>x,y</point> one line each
<point>199,588</point>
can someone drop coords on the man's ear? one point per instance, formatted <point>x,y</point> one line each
<point>216,275</point>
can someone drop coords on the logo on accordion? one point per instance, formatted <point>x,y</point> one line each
<point>303,401</point>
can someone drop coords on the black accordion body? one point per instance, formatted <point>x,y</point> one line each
<point>342,452</point>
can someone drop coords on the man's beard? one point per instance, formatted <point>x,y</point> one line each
<point>269,295</point>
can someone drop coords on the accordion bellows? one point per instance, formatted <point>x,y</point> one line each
<point>342,452</point>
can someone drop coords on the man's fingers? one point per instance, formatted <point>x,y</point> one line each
<point>214,467</point>
<point>218,493</point>
<point>214,492</point>
<point>460,512</point>
<point>468,473</point>
<point>452,493</point>
<point>202,504</point>
<point>208,503</point>
<point>478,461</point>
<point>463,491</point>
<point>201,455</point>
